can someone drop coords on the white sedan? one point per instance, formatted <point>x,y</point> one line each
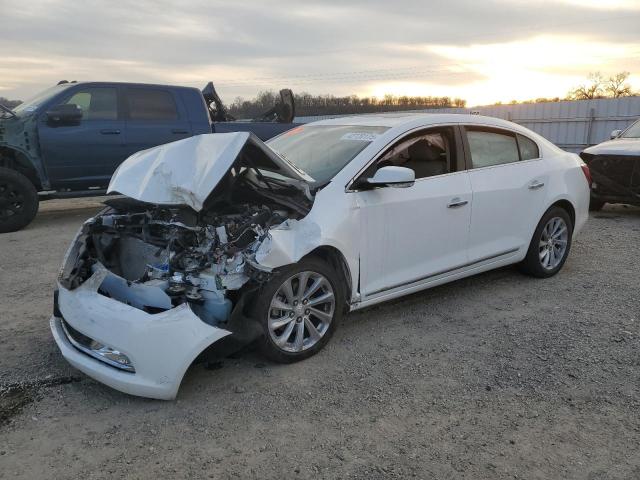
<point>220,240</point>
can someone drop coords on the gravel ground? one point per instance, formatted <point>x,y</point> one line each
<point>495,376</point>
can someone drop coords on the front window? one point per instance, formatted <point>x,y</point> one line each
<point>323,150</point>
<point>428,153</point>
<point>100,103</point>
<point>632,132</point>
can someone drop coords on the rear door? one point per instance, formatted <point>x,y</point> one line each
<point>84,155</point>
<point>508,181</point>
<point>154,116</point>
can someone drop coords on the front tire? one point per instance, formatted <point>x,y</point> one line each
<point>550,244</point>
<point>18,201</point>
<point>299,310</point>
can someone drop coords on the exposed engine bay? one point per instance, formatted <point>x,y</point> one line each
<point>159,257</point>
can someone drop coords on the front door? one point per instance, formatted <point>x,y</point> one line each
<point>410,235</point>
<point>85,155</point>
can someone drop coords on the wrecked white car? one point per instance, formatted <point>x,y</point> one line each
<point>220,240</point>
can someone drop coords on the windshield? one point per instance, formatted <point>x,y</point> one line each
<point>323,150</point>
<point>633,131</point>
<point>34,102</point>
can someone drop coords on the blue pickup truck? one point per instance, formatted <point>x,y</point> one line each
<point>69,139</point>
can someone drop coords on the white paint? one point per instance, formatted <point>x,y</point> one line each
<point>186,172</point>
<point>160,346</point>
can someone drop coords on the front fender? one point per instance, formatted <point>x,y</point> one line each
<point>20,136</point>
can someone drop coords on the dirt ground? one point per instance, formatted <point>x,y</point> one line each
<point>495,376</point>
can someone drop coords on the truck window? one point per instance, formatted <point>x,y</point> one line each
<point>151,104</point>
<point>96,103</point>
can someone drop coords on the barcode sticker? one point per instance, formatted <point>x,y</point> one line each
<point>360,136</point>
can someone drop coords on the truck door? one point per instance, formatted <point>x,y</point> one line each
<point>154,116</point>
<point>84,154</point>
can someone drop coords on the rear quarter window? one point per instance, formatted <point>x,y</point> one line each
<point>528,148</point>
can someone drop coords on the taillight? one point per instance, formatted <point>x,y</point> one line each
<point>587,174</point>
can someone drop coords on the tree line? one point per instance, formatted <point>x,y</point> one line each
<point>595,86</point>
<point>9,103</point>
<point>308,104</point>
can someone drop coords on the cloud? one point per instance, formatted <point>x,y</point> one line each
<point>327,46</point>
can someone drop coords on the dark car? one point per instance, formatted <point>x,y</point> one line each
<point>69,139</point>
<point>615,168</point>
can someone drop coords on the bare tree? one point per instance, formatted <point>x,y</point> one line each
<point>594,88</point>
<point>617,87</point>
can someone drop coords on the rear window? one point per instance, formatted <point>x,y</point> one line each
<point>151,104</point>
<point>633,131</point>
<point>490,148</point>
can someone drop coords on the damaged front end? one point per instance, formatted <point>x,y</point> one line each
<point>161,257</point>
<point>159,283</point>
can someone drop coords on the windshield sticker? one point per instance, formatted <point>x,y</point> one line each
<point>360,136</point>
<point>31,108</point>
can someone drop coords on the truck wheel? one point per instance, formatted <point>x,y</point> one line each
<point>18,201</point>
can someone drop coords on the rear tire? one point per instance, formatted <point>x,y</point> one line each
<point>550,244</point>
<point>18,201</point>
<point>299,310</point>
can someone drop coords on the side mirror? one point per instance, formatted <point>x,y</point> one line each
<point>615,134</point>
<point>400,177</point>
<point>66,114</point>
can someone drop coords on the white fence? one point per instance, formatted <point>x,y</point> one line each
<point>572,125</point>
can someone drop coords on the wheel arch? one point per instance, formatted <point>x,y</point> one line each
<point>17,160</point>
<point>338,261</point>
<point>567,206</point>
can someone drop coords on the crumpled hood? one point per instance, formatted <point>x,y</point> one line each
<point>618,146</point>
<point>186,172</point>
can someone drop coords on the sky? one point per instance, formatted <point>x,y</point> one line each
<point>483,51</point>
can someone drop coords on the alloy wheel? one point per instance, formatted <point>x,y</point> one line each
<point>553,243</point>
<point>301,311</point>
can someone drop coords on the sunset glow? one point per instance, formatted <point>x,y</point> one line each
<point>521,51</point>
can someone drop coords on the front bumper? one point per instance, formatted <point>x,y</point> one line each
<point>160,346</point>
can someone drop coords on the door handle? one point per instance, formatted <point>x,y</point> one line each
<point>179,131</point>
<point>110,132</point>
<point>536,184</point>
<point>457,202</point>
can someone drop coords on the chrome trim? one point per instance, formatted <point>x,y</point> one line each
<point>456,202</point>
<point>91,353</point>
<point>442,272</point>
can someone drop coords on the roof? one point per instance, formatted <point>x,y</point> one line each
<point>400,119</point>
<point>126,84</point>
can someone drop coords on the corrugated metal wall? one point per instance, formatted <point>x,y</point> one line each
<point>572,125</point>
